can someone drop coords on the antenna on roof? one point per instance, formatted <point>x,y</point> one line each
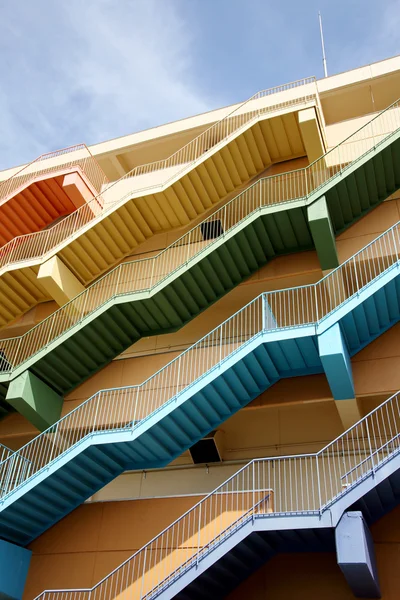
<point>323,45</point>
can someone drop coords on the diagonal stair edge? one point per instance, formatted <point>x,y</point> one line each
<point>186,241</point>
<point>260,319</point>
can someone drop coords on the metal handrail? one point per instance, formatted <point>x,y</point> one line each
<point>5,452</point>
<point>143,275</point>
<point>127,408</point>
<point>39,244</point>
<point>304,484</point>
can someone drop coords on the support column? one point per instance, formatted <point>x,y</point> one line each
<point>356,556</point>
<point>35,400</point>
<point>323,234</point>
<point>14,564</point>
<point>337,366</point>
<point>336,362</point>
<point>311,134</point>
<point>58,281</point>
<point>76,189</point>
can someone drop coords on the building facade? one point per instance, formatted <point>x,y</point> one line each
<point>199,357</point>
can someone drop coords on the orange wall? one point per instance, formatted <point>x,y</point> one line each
<point>317,576</point>
<point>94,539</point>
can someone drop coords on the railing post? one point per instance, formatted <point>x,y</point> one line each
<point>17,352</point>
<point>318,484</point>
<point>253,482</point>
<point>356,276</point>
<point>263,311</point>
<point>152,272</point>
<point>86,292</point>
<point>50,332</point>
<point>198,536</point>
<point>306,178</point>
<point>188,246</point>
<point>144,570</point>
<point>316,303</point>
<point>370,448</point>
<point>395,245</point>
<point>50,456</point>
<point>97,410</point>
<point>118,278</point>
<point>178,375</point>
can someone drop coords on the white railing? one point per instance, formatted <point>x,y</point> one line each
<point>54,162</point>
<point>296,485</point>
<point>5,452</point>
<point>8,480</point>
<point>128,407</point>
<point>142,275</point>
<point>37,245</point>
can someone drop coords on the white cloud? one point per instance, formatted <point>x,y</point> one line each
<point>88,70</point>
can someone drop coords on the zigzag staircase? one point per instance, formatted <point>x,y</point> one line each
<point>271,505</point>
<point>89,247</point>
<point>160,294</point>
<point>152,197</point>
<point>146,426</point>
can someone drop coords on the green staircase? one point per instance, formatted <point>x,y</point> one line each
<point>161,294</point>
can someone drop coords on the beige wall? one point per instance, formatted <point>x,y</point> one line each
<point>317,576</point>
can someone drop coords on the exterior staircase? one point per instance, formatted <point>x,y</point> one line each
<point>151,198</point>
<point>140,427</point>
<point>284,504</point>
<point>161,294</point>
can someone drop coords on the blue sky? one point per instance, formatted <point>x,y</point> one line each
<point>75,71</point>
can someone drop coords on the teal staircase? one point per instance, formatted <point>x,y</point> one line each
<point>279,334</point>
<point>271,505</point>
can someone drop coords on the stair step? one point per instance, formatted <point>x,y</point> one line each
<point>176,431</point>
<point>362,188</point>
<point>43,494</point>
<point>380,176</point>
<point>71,477</point>
<point>217,401</point>
<point>27,522</point>
<point>395,149</point>
<point>386,494</point>
<point>35,504</point>
<point>371,181</point>
<point>224,389</point>
<point>89,468</point>
<point>200,408</point>
<point>246,378</point>
<point>389,174</point>
<point>59,487</point>
<point>374,504</point>
<point>103,454</point>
